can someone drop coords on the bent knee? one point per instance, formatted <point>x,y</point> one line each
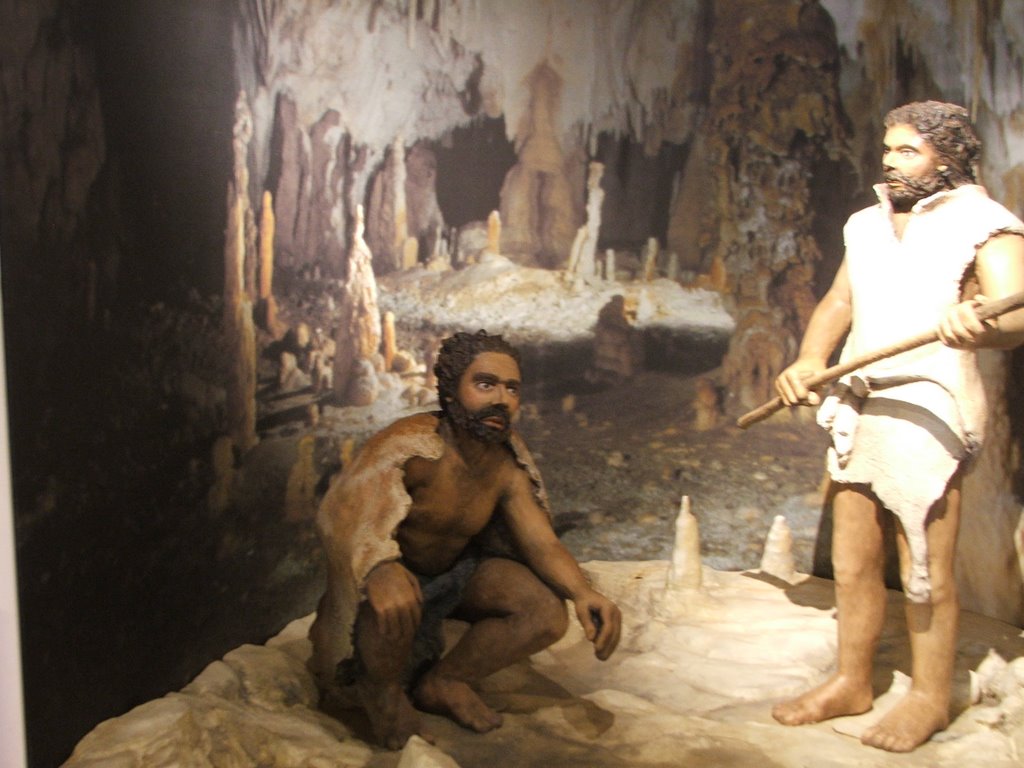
<point>550,617</point>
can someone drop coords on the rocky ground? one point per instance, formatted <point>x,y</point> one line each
<point>617,462</point>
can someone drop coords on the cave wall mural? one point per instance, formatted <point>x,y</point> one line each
<point>233,233</point>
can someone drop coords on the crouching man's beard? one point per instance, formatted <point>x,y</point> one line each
<point>473,421</point>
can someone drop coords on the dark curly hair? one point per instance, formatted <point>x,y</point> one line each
<point>947,127</point>
<point>458,352</point>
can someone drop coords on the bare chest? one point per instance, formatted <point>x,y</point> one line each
<point>448,499</point>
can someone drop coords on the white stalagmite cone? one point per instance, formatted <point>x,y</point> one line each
<point>777,559</point>
<point>685,569</point>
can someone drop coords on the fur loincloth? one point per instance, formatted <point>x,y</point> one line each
<point>904,424</point>
<point>894,440</point>
<point>359,518</point>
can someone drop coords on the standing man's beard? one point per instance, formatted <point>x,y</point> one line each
<point>473,421</point>
<point>911,189</point>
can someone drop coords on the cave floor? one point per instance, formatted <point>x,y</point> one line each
<point>617,462</point>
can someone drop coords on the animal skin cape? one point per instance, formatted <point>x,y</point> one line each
<point>359,517</point>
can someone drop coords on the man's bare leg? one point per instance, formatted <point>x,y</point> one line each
<point>858,559</point>
<point>933,631</point>
<point>513,614</point>
<point>381,690</point>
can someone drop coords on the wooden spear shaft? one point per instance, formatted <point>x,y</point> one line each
<point>986,311</point>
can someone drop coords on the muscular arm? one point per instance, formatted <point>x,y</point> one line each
<point>828,324</point>
<point>999,266</point>
<point>553,563</point>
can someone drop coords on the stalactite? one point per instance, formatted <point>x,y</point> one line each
<point>537,204</point>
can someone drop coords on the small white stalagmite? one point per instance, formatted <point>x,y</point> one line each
<point>685,569</point>
<point>609,264</point>
<point>777,559</point>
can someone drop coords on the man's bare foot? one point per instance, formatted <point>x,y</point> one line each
<point>454,698</point>
<point>907,725</point>
<point>833,698</point>
<point>391,714</point>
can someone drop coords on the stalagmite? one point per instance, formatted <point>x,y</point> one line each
<point>777,559</point>
<point>401,215</point>
<point>707,407</point>
<point>757,354</point>
<point>609,264</point>
<point>595,198</point>
<point>267,307</point>
<point>650,260</point>
<point>386,221</point>
<point>410,253</point>
<point>672,268</point>
<point>223,462</point>
<point>576,250</point>
<point>424,219</point>
<point>618,348</point>
<point>239,334</point>
<point>494,232</point>
<point>359,327</point>
<point>581,257</point>
<point>266,245</point>
<point>389,339</point>
<point>1018,543</point>
<point>685,570</point>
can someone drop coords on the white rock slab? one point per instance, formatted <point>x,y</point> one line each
<point>691,685</point>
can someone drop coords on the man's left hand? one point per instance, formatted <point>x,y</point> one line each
<point>961,328</point>
<point>602,622</point>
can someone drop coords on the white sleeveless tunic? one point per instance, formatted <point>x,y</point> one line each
<point>904,424</point>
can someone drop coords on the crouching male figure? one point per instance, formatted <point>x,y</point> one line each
<point>445,515</point>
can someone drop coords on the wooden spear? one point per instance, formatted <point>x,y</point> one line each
<point>986,311</point>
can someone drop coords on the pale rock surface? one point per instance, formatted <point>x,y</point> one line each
<point>538,305</point>
<point>691,685</point>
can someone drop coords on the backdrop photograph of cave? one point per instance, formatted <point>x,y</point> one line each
<point>234,235</point>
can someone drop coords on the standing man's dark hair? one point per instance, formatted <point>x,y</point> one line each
<point>457,353</point>
<point>947,127</point>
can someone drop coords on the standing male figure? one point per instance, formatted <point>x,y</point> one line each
<point>932,250</point>
<point>444,514</point>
